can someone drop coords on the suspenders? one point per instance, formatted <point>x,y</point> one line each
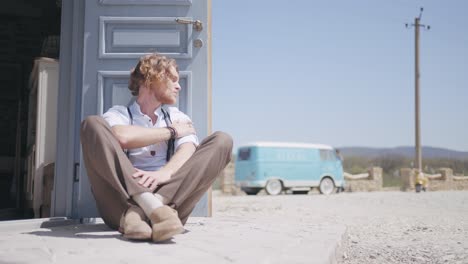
<point>167,119</point>
<point>170,142</point>
<point>131,116</point>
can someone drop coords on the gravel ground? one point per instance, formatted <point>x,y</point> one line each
<point>382,227</point>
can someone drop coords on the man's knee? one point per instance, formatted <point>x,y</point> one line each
<point>223,141</point>
<point>91,124</point>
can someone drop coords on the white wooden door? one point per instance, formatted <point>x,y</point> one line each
<point>116,34</point>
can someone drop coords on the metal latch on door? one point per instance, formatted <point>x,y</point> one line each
<point>197,24</point>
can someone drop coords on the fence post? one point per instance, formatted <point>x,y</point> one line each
<point>407,179</point>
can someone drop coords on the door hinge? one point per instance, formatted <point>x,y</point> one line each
<point>76,175</point>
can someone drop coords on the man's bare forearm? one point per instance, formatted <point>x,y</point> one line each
<point>183,153</point>
<point>131,137</point>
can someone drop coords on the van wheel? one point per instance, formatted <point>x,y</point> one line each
<point>274,187</point>
<point>327,186</point>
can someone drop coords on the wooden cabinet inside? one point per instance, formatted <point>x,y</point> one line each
<point>41,138</point>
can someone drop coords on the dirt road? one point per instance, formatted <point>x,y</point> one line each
<point>382,227</point>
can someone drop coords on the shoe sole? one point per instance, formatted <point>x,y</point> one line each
<point>138,236</point>
<point>168,235</point>
<point>135,235</point>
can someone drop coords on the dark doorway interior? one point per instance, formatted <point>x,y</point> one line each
<point>28,29</point>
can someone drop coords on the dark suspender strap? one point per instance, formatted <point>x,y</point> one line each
<point>127,151</point>
<point>170,142</point>
<point>130,114</point>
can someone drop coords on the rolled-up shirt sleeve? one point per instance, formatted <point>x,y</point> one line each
<point>117,115</point>
<point>177,115</point>
<point>191,138</point>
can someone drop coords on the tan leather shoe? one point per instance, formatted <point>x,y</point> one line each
<point>134,225</point>
<point>166,223</point>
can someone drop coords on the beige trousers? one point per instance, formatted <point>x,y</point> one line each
<point>110,172</point>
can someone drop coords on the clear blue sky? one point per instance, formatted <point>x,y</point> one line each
<point>340,72</point>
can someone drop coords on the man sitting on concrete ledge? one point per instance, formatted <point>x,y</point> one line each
<point>146,167</point>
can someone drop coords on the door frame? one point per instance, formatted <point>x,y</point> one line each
<point>69,105</point>
<point>70,83</point>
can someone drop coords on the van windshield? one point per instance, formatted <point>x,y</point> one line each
<point>244,154</point>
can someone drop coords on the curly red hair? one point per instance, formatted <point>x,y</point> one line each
<point>151,68</point>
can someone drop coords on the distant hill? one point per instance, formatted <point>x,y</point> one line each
<point>408,152</point>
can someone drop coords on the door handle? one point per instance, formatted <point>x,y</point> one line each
<point>197,24</point>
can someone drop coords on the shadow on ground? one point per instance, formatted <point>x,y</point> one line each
<point>96,231</point>
<point>70,229</point>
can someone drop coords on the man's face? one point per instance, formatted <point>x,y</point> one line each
<point>167,91</point>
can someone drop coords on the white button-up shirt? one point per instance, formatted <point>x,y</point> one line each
<point>143,158</point>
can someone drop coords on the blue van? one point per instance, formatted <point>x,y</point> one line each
<point>278,167</point>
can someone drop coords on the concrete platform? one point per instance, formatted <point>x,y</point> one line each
<point>219,239</point>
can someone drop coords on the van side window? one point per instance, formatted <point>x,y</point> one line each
<point>244,154</point>
<point>323,155</point>
<point>327,155</point>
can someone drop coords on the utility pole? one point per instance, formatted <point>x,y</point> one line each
<point>417,25</point>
